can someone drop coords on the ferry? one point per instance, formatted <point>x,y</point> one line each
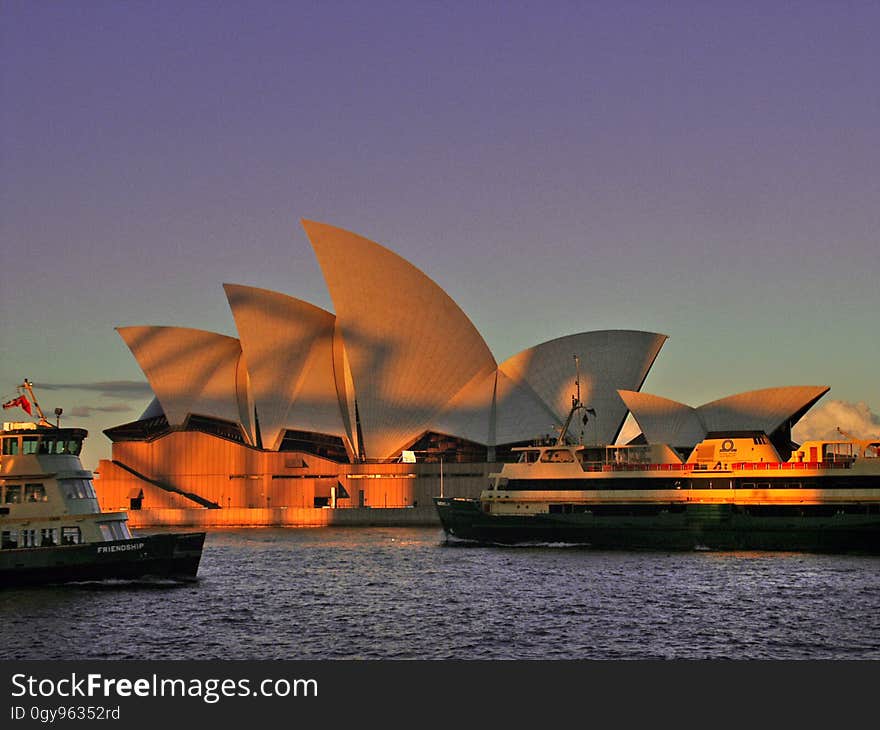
<point>52,529</point>
<point>731,492</point>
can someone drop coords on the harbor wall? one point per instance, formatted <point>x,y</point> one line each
<point>285,517</point>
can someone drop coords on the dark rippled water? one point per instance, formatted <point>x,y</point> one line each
<point>375,593</point>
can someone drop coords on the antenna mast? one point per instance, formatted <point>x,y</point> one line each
<point>29,387</point>
<point>575,402</point>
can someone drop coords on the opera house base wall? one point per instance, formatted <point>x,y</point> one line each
<point>193,478</point>
<point>285,517</point>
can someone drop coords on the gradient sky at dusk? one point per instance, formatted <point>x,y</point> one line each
<point>708,170</point>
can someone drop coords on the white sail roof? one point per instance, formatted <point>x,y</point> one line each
<point>664,421</point>
<point>288,348</point>
<point>470,413</point>
<point>397,359</point>
<point>192,371</point>
<point>609,360</point>
<point>410,347</point>
<point>760,410</point>
<point>667,421</point>
<point>521,415</point>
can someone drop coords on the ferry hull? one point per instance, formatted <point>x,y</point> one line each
<point>171,556</point>
<point>695,526</point>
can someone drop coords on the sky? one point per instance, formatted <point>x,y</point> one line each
<point>707,170</point>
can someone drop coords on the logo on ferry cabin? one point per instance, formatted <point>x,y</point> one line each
<point>727,446</point>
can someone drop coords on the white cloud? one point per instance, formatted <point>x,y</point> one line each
<point>857,419</point>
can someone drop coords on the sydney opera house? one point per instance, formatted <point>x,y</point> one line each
<point>383,403</point>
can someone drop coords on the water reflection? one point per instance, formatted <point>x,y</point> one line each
<point>400,593</point>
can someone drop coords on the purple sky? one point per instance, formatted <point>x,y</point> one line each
<point>707,170</point>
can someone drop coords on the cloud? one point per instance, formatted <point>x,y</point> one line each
<point>86,411</point>
<point>857,419</point>
<point>107,388</point>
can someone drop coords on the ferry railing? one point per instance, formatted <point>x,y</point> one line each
<point>597,466</point>
<point>789,465</point>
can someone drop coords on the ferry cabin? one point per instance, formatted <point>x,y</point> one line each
<point>46,497</point>
<point>741,467</point>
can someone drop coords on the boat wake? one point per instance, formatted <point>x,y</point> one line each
<point>554,545</point>
<point>453,541</point>
<point>145,583</point>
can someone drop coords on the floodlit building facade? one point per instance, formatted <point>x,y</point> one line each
<point>308,408</point>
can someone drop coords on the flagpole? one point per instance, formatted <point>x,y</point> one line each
<point>29,386</point>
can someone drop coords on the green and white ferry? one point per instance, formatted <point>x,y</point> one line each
<point>732,492</point>
<point>52,529</point>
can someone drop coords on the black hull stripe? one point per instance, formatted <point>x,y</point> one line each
<point>713,526</point>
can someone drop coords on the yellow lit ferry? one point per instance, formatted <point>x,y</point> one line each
<point>52,529</point>
<point>733,492</point>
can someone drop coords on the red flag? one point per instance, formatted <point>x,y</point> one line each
<point>22,402</point>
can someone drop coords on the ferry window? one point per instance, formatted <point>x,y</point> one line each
<point>53,446</point>
<point>557,455</point>
<point>528,457</point>
<point>27,538</point>
<point>8,539</point>
<point>62,447</point>
<point>10,446</point>
<point>35,493</point>
<point>29,445</point>
<point>115,530</point>
<point>13,495</point>
<point>763,485</point>
<point>77,489</point>
<point>70,536</point>
<point>74,446</point>
<point>49,536</point>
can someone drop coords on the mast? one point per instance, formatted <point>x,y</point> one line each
<point>575,403</point>
<point>29,387</point>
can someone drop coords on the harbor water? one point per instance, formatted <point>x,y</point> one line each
<point>402,593</point>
